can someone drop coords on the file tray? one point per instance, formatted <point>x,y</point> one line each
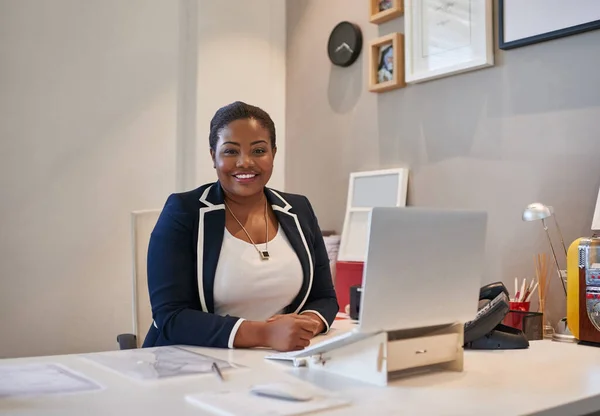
<point>384,356</point>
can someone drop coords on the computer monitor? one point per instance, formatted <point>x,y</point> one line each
<point>423,268</point>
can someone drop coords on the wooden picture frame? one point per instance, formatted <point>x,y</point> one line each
<point>384,10</point>
<point>381,78</point>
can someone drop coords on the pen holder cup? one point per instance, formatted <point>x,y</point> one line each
<point>513,318</point>
<point>519,306</point>
<point>531,323</point>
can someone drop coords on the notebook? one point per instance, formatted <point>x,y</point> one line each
<point>236,401</point>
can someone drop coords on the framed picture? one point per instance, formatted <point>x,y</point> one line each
<point>522,23</point>
<point>386,63</point>
<point>447,37</point>
<point>384,10</point>
<point>368,189</point>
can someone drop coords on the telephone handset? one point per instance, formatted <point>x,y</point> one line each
<point>485,331</point>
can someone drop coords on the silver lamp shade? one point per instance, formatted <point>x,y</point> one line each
<point>537,211</point>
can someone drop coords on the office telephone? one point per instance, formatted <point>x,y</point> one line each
<point>486,331</point>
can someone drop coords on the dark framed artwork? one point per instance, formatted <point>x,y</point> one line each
<point>522,23</point>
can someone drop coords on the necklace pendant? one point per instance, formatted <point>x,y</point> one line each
<point>264,255</point>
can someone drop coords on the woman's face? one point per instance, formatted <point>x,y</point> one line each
<point>389,61</point>
<point>243,157</point>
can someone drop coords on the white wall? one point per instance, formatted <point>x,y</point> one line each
<point>241,56</point>
<point>88,100</point>
<point>104,109</point>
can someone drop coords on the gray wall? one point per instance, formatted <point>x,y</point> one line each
<point>494,139</point>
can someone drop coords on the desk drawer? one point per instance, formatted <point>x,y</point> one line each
<point>423,351</point>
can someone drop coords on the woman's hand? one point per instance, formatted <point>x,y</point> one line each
<point>290,332</point>
<point>319,321</point>
<point>320,325</point>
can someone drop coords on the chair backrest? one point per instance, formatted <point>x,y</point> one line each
<point>142,224</point>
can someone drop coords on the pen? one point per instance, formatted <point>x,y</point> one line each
<point>531,292</point>
<point>528,291</point>
<point>521,294</point>
<point>217,370</point>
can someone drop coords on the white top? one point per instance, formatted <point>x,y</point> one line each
<point>549,378</point>
<point>251,288</point>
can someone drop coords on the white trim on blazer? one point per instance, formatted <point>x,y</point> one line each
<point>200,246</point>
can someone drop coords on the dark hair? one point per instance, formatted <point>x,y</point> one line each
<point>236,111</point>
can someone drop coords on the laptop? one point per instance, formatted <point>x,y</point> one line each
<point>423,268</point>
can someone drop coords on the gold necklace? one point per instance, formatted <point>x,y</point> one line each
<point>264,254</point>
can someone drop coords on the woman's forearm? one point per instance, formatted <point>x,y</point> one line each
<point>250,334</point>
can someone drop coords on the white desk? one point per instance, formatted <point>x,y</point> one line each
<point>547,379</point>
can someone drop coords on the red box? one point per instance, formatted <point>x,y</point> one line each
<point>347,274</point>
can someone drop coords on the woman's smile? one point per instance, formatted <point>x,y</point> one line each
<point>246,177</point>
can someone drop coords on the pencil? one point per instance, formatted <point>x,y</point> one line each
<point>217,370</point>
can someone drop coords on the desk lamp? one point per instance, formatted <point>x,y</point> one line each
<point>539,211</point>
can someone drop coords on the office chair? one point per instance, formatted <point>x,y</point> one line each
<point>127,341</point>
<point>142,224</point>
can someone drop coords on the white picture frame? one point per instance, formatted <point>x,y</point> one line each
<point>368,189</point>
<point>447,37</point>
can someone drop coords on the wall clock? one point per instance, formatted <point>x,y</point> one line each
<point>345,44</point>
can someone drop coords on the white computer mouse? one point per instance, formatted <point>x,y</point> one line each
<point>282,391</point>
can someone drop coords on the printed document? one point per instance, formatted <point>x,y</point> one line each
<point>38,379</point>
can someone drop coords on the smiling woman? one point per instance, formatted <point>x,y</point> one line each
<point>234,263</point>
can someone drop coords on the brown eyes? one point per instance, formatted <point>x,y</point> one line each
<point>257,151</point>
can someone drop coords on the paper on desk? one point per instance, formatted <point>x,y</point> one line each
<point>332,245</point>
<point>242,402</point>
<point>39,379</point>
<point>156,363</point>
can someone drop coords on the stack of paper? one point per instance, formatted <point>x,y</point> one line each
<point>332,244</point>
<point>235,402</point>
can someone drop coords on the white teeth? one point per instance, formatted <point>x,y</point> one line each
<point>245,176</point>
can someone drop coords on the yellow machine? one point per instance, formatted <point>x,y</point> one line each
<point>583,290</point>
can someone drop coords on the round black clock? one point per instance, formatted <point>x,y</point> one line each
<point>345,44</point>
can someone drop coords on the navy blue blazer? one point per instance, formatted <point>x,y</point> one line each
<point>183,254</point>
